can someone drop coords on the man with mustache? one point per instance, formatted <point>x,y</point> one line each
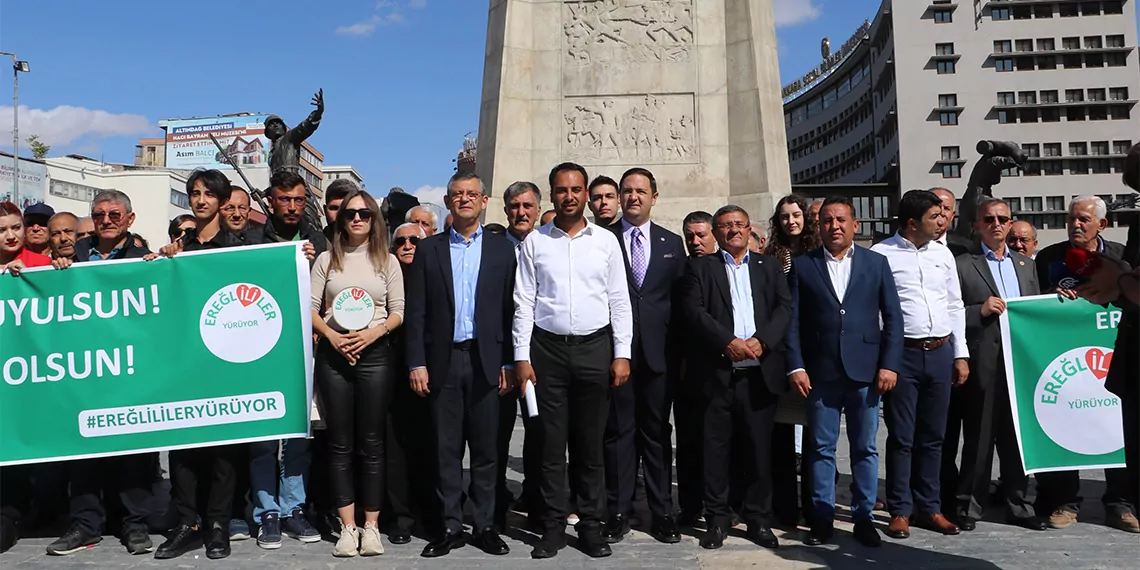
<point>1023,238</point>
<point>1059,492</point>
<point>287,222</point>
<point>573,330</point>
<point>61,233</point>
<point>235,212</point>
<point>85,228</point>
<point>36,219</point>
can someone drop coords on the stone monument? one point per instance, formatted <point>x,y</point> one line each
<point>689,89</point>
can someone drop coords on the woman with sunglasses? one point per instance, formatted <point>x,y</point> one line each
<point>13,256</point>
<point>178,227</point>
<point>356,370</point>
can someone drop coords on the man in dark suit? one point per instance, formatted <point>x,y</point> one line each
<point>1058,492</point>
<point>737,306</point>
<point>638,425</point>
<point>990,275</point>
<point>840,361</point>
<point>957,244</point>
<point>459,310</point>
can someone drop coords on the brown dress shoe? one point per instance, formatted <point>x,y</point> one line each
<point>899,527</point>
<point>937,523</point>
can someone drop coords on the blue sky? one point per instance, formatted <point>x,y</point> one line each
<point>402,78</point>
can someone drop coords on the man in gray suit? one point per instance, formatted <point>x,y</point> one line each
<point>990,275</point>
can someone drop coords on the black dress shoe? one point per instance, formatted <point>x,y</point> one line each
<point>763,536</point>
<point>1030,523</point>
<point>450,541</point>
<point>820,534</point>
<point>866,534</point>
<point>400,536</point>
<point>714,537</point>
<point>592,544</point>
<point>616,529</point>
<point>218,546</point>
<point>547,548</point>
<point>665,530</point>
<point>183,540</point>
<point>488,541</point>
<point>967,523</point>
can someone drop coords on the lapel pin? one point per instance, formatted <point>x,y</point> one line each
<point>1021,263</point>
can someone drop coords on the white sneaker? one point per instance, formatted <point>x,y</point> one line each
<point>348,544</point>
<point>370,544</point>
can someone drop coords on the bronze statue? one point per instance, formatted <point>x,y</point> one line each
<point>996,157</point>
<point>285,145</point>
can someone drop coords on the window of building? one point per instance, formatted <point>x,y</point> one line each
<point>1046,44</point>
<point>1024,45</point>
<point>1075,114</point>
<point>1052,149</point>
<point>179,199</point>
<point>1043,11</point>
<point>999,13</point>
<point>1098,114</point>
<point>951,170</point>
<point>943,16</point>
<point>1078,149</point>
<point>1024,63</point>
<point>1028,115</point>
<point>1113,6</point>
<point>1094,60</point>
<point>1074,95</point>
<point>1003,46</point>
<point>1050,115</point>
<point>951,153</point>
<point>1116,93</point>
<point>1098,148</point>
<point>1032,150</point>
<point>946,118</point>
<point>1033,204</point>
<point>946,67</point>
<point>1093,42</point>
<point>948,49</point>
<point>1055,203</point>
<point>1119,112</point>
<point>1121,147</point>
<point>1072,61</point>
<point>1100,166</point>
<point>948,100</point>
<point>1096,95</point>
<point>1006,117</point>
<point>1090,9</point>
<point>1053,167</point>
<point>1114,41</point>
<point>74,191</point>
<point>1070,43</point>
<point>1047,62</point>
<point>1069,9</point>
<point>1027,97</point>
<point>1049,96</point>
<point>1022,13</point>
<point>1004,64</point>
<point>1079,166</point>
<point>1006,98</point>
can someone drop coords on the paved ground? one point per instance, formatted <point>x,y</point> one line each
<point>1087,545</point>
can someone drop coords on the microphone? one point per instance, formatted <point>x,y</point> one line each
<point>1078,266</point>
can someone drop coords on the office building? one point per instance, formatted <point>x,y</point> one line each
<point>337,172</point>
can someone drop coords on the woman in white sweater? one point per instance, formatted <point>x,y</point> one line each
<point>356,369</point>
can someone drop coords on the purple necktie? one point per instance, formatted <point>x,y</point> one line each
<point>637,259</point>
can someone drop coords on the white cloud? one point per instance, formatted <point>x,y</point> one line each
<point>360,29</point>
<point>792,12</point>
<point>397,18</point>
<point>433,194</point>
<point>65,124</point>
<point>417,4</point>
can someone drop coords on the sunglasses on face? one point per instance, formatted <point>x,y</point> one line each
<point>400,241</point>
<point>349,215</point>
<point>114,215</point>
<point>1000,219</point>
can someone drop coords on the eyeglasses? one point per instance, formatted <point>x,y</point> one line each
<point>286,200</point>
<point>231,209</point>
<point>473,195</point>
<point>730,225</point>
<point>114,215</point>
<point>349,215</point>
<point>400,241</point>
<point>1013,239</point>
<point>1000,219</point>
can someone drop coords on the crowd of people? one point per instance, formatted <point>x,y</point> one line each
<point>616,329</point>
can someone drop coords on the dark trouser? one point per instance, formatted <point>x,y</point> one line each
<point>916,426</point>
<point>789,497</point>
<point>860,403</point>
<point>948,476</point>
<point>243,498</point>
<point>1062,490</point>
<point>638,428</point>
<point>747,403</point>
<point>211,471</point>
<point>532,460</point>
<point>411,468</point>
<point>319,485</point>
<point>465,407</point>
<point>987,420</point>
<point>688,410</point>
<point>573,385</point>
<point>1130,412</point>
<point>356,400</point>
<point>16,492</point>
<point>129,475</point>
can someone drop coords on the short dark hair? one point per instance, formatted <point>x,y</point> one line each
<point>987,202</point>
<point>339,188</point>
<point>698,217</point>
<point>285,180</point>
<point>461,176</point>
<point>914,205</point>
<point>730,209</point>
<point>568,166</point>
<point>843,200</point>
<point>215,182</point>
<point>639,170</point>
<point>173,230</point>
<point>603,180</point>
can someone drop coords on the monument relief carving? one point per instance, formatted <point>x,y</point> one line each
<point>631,31</point>
<point>636,128</point>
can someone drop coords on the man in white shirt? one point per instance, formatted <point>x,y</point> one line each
<point>934,358</point>
<point>573,335</point>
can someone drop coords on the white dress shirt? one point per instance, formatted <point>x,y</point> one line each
<point>627,237</point>
<point>931,297</point>
<point>839,270</point>
<point>572,286</point>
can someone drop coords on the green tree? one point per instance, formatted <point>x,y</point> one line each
<point>39,149</point>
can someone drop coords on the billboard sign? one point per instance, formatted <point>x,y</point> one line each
<point>33,182</point>
<point>188,143</point>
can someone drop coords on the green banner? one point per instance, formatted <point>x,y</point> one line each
<point>115,357</point>
<point>1057,355</point>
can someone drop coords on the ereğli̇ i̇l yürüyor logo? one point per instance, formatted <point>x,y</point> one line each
<point>1072,405</point>
<point>240,323</point>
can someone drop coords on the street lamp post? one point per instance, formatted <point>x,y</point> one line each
<point>17,67</point>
